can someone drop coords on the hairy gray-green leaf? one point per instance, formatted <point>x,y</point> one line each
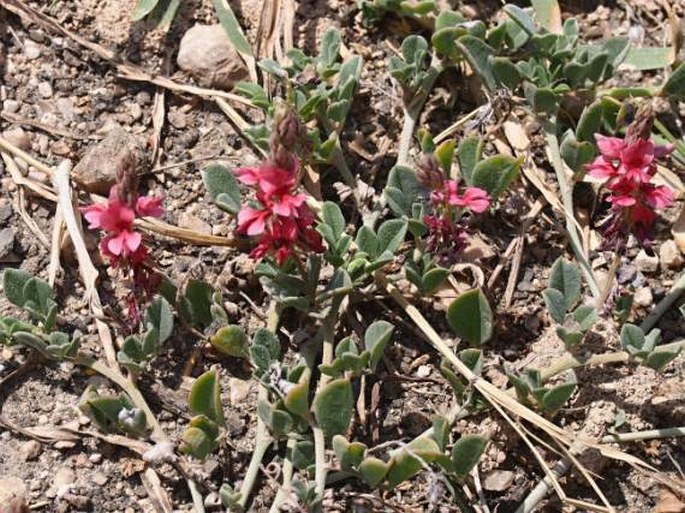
<point>376,337</point>
<point>495,174</point>
<point>333,407</point>
<point>466,453</point>
<point>470,317</point>
<point>223,187</point>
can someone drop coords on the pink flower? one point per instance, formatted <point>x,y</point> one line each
<point>113,216</point>
<point>609,147</point>
<point>658,196</point>
<point>287,205</point>
<point>121,244</point>
<point>150,206</point>
<point>474,198</point>
<point>252,221</point>
<point>602,168</point>
<point>268,179</point>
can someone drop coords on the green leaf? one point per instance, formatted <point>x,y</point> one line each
<point>164,13</point>
<point>521,17</point>
<point>330,47</point>
<point>367,242</point>
<point>590,122</point>
<point>231,26</point>
<point>657,360</point>
<point>273,68</point>
<point>576,154</point>
<point>279,422</point>
<point>477,53</point>
<point>445,153</point>
<point>586,316</point>
<point>223,187</point>
<point>407,463</point>
<point>556,304</point>
<point>254,92</point>
<point>556,397</point>
<point>441,432</point>
<point>302,455</point>
<point>160,316</point>
<point>643,59</point>
<point>632,338</point>
<point>402,190</point>
<point>143,8</point>
<point>505,72</point>
<point>496,174</point>
<point>333,217</point>
<point>198,302</point>
<point>466,453</point>
<point>470,317</point>
<point>205,396</point>
<point>391,235</point>
<point>297,399</point>
<point>414,49</point>
<point>570,337</point>
<point>197,443</point>
<point>432,279</point>
<point>469,154</point>
<point>565,277</point>
<point>376,337</point>
<point>268,340</point>
<point>333,406</point>
<point>373,470</point>
<point>675,84</point>
<point>13,282</point>
<point>350,455</point>
<point>231,340</point>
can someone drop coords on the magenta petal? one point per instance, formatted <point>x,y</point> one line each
<point>115,245</point>
<point>609,147</point>
<point>248,175</point>
<point>132,240</point>
<point>150,206</point>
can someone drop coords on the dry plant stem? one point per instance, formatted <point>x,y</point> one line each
<point>676,291</point>
<point>567,199</point>
<point>543,487</point>
<point>262,438</point>
<point>319,439</point>
<point>447,132</point>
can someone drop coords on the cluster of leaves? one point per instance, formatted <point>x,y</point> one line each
<point>36,298</point>
<point>642,346</point>
<point>404,463</point>
<point>560,296</point>
<point>529,386</point>
<point>321,89</point>
<point>113,413</point>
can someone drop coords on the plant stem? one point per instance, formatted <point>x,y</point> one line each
<point>319,439</point>
<point>570,361</point>
<point>567,198</point>
<point>412,111</point>
<point>284,490</point>
<point>262,437</point>
<point>127,386</point>
<point>663,305</point>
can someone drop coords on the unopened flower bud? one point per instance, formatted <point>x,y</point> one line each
<point>641,127</point>
<point>429,172</point>
<point>127,179</point>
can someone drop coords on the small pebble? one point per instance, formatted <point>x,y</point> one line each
<point>10,106</point>
<point>100,479</point>
<point>95,458</point>
<point>18,137</point>
<point>643,297</point>
<point>30,450</point>
<point>32,50</point>
<point>646,263</point>
<point>63,477</point>
<point>45,90</point>
<point>670,256</point>
<point>423,371</point>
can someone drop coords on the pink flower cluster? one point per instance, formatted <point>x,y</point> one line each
<point>446,231</point>
<point>626,169</point>
<point>122,244</point>
<point>283,222</point>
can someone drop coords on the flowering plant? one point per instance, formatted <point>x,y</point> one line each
<point>626,168</point>
<point>122,245</point>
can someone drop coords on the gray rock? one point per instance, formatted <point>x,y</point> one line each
<point>646,263</point>
<point>5,212</point>
<point>498,480</point>
<point>100,479</point>
<point>670,256</point>
<point>6,241</point>
<point>207,55</point>
<point>97,170</point>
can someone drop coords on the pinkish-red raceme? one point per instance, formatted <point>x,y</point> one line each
<point>283,221</point>
<point>447,232</point>
<point>626,169</point>
<point>123,245</point>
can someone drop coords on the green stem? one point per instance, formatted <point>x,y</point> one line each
<point>570,361</point>
<point>319,439</point>
<point>262,437</point>
<point>284,490</point>
<point>567,198</point>
<point>645,435</point>
<point>128,387</point>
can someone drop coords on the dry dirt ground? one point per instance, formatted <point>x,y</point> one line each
<point>78,98</point>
